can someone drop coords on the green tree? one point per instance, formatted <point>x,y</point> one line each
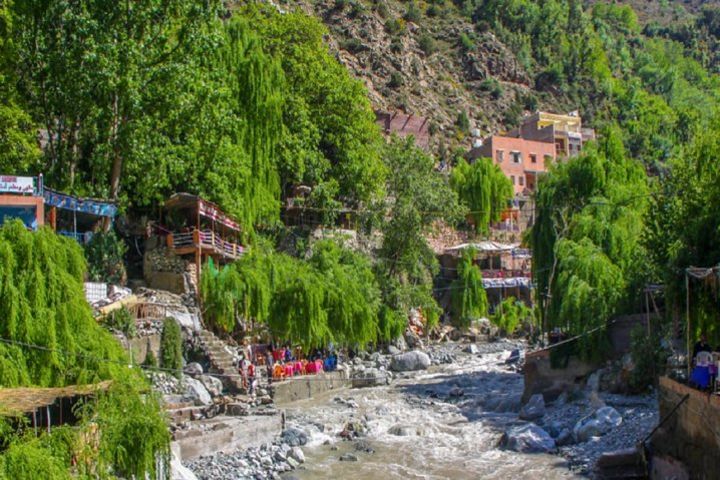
<point>418,196</point>
<point>469,300</point>
<point>484,189</point>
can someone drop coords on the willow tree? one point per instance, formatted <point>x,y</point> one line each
<point>50,339</point>
<point>468,297</point>
<point>587,249</point>
<point>484,189</point>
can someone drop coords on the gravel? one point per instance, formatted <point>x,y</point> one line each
<point>267,462</point>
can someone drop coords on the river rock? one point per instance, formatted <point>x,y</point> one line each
<point>197,391</point>
<point>297,454</point>
<point>514,357</point>
<point>534,409</point>
<point>370,377</point>
<point>527,439</point>
<point>456,392</point>
<point>472,349</point>
<point>601,422</point>
<point>213,385</point>
<point>294,437</point>
<point>348,457</point>
<point>193,369</point>
<point>393,350</point>
<point>401,430</point>
<point>415,360</point>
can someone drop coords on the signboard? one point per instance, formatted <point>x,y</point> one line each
<point>13,184</point>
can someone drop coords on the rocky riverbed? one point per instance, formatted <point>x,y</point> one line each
<point>459,418</point>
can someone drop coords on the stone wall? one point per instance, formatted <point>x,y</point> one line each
<point>691,435</point>
<point>308,386</point>
<point>138,347</point>
<point>540,377</point>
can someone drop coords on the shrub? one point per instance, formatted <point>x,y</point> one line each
<point>396,80</point>
<point>427,44</point>
<point>413,13</point>
<point>510,314</point>
<point>466,42</point>
<point>171,346</point>
<point>396,45</point>
<point>395,26</point>
<point>104,254</point>
<point>382,10</point>
<point>493,87</point>
<point>340,4</point>
<point>122,321</point>
<point>649,358</point>
<point>150,358</point>
<point>353,45</point>
<point>462,122</point>
<point>357,9</point>
<point>433,11</point>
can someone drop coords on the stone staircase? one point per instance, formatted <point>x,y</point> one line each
<point>221,361</point>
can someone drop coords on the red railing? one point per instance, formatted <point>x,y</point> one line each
<point>206,239</point>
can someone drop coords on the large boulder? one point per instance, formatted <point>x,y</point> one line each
<point>599,423</point>
<point>194,369</point>
<point>213,385</point>
<point>402,430</point>
<point>294,437</point>
<point>195,390</point>
<point>409,361</point>
<point>371,377</point>
<point>534,409</point>
<point>527,439</point>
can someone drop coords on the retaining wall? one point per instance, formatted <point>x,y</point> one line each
<point>691,436</point>
<point>227,434</point>
<point>308,386</point>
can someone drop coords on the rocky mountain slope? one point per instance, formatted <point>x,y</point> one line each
<point>428,59</point>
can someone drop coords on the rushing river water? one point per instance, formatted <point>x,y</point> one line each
<point>444,436</point>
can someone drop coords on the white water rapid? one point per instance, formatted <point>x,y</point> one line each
<point>415,428</point>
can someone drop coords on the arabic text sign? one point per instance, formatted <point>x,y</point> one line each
<point>17,184</point>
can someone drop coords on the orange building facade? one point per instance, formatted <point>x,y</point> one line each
<point>520,160</point>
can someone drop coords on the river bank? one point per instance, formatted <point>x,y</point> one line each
<point>443,422</point>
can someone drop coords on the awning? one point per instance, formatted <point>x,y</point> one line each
<point>511,282</point>
<point>28,399</point>
<point>99,208</point>
<point>204,207</point>
<point>485,247</point>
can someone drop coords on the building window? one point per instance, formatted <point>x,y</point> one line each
<point>512,178</point>
<point>521,180</point>
<point>516,157</point>
<point>499,155</point>
<point>533,158</point>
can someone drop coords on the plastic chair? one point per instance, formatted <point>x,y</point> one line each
<point>703,358</point>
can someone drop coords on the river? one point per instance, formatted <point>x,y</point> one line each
<point>441,435</point>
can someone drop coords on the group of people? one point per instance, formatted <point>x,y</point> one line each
<point>282,362</point>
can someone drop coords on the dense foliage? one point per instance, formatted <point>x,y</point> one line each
<point>331,297</point>
<point>484,189</point>
<point>105,256</point>
<point>469,300</point>
<point>511,314</point>
<point>51,339</point>
<point>171,351</point>
<point>417,197</point>
<point>172,96</point>
<point>587,250</point>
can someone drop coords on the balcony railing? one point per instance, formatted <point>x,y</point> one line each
<point>205,240</point>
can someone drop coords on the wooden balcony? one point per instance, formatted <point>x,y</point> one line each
<point>206,241</point>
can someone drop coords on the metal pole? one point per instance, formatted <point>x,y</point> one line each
<point>47,409</point>
<point>687,323</point>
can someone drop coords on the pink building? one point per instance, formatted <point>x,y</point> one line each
<point>521,160</point>
<point>405,125</point>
